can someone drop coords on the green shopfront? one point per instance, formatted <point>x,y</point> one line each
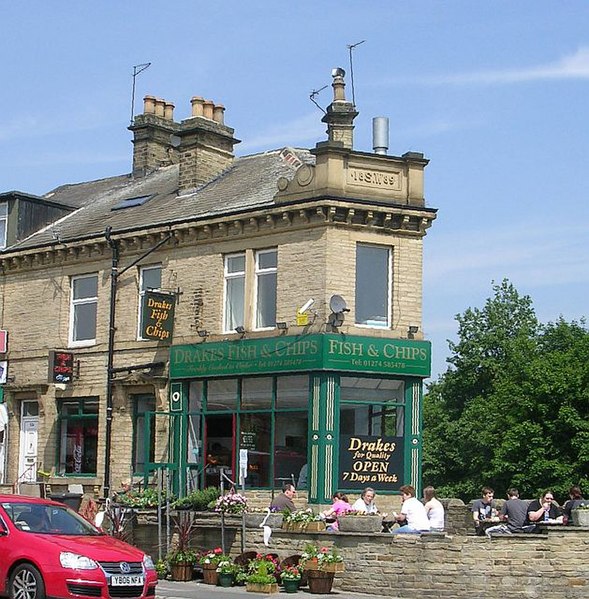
<point>327,411</point>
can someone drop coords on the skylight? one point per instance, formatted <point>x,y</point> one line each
<point>130,202</point>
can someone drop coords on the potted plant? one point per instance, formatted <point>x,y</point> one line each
<point>580,515</point>
<point>182,558</point>
<point>226,573</point>
<point>330,560</point>
<point>291,578</point>
<point>320,565</point>
<point>231,503</point>
<point>209,560</point>
<point>162,569</point>
<point>261,577</point>
<point>302,520</point>
<point>310,557</point>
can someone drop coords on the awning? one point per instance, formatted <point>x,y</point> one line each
<point>3,416</point>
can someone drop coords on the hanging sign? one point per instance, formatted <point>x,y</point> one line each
<point>158,316</point>
<point>61,367</point>
<point>370,461</point>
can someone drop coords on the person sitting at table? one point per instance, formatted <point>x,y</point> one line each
<point>365,503</point>
<point>284,501</point>
<point>339,506</point>
<point>544,509</point>
<point>576,499</point>
<point>482,509</point>
<point>515,513</point>
<point>434,510</point>
<point>413,518</point>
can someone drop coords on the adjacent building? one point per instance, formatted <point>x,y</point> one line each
<point>258,316</point>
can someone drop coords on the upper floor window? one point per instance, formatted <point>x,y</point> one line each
<point>84,303</point>
<point>3,224</point>
<point>373,285</point>
<point>266,271</point>
<point>234,292</point>
<point>150,277</point>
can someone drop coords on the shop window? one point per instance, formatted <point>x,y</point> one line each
<point>256,393</point>
<point>78,441</point>
<point>290,448</point>
<point>3,224</point>
<point>292,392</point>
<point>373,285</point>
<point>234,292</point>
<point>255,436</point>
<point>84,302</point>
<point>150,277</point>
<point>143,437</point>
<point>222,395</point>
<point>266,273</point>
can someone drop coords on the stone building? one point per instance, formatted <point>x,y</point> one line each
<point>210,313</point>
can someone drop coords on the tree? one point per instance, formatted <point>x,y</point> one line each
<point>512,409</point>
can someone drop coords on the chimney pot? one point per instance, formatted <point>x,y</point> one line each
<point>197,105</point>
<point>149,105</point>
<point>208,109</point>
<point>219,114</point>
<point>159,107</point>
<point>169,111</point>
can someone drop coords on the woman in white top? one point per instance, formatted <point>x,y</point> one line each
<point>434,509</point>
<point>365,503</point>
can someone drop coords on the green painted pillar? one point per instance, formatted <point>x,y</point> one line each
<point>413,433</point>
<point>178,436</point>
<point>323,443</point>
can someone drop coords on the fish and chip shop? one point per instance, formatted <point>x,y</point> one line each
<point>326,411</point>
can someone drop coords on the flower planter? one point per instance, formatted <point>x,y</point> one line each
<point>315,526</point>
<point>253,587</point>
<point>335,567</point>
<point>291,586</point>
<point>364,524</point>
<point>311,564</point>
<point>296,526</point>
<point>320,582</point>
<point>210,574</point>
<point>181,572</point>
<point>225,579</point>
<point>580,517</point>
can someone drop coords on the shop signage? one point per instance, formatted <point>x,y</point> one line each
<point>158,316</point>
<point>370,461</point>
<point>3,341</point>
<point>302,352</point>
<point>61,367</point>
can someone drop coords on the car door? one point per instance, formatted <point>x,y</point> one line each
<point>4,548</point>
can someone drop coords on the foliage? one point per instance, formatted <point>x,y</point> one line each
<point>162,568</point>
<point>324,555</point>
<point>261,570</point>
<point>226,566</point>
<point>301,516</point>
<point>183,528</point>
<point>182,556</point>
<point>212,556</point>
<point>198,500</point>
<point>231,503</point>
<point>291,573</point>
<point>513,407</point>
<point>147,498</point>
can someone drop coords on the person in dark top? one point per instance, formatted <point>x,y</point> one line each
<point>482,509</point>
<point>543,510</point>
<point>284,501</point>
<point>576,499</point>
<point>515,512</point>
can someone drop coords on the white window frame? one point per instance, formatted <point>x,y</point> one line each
<point>79,302</point>
<point>388,323</point>
<point>231,276</point>
<point>142,290</point>
<point>3,224</point>
<point>258,274</point>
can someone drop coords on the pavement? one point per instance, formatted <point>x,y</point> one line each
<point>196,589</point>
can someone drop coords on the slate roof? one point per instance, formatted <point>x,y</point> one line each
<point>249,183</point>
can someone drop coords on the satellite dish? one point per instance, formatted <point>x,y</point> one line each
<point>175,141</point>
<point>338,304</point>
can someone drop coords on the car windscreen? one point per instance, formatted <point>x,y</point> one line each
<point>48,519</point>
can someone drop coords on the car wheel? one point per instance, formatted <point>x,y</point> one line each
<point>26,582</point>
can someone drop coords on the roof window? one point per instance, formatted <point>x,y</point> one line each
<point>131,202</point>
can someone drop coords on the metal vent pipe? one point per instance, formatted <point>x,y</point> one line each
<point>380,134</point>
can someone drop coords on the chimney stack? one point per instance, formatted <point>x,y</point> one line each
<point>340,114</point>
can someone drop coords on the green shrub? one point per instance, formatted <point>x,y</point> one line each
<point>197,500</point>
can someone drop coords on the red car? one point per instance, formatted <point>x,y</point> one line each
<point>47,550</point>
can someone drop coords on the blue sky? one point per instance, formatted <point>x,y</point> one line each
<point>494,93</point>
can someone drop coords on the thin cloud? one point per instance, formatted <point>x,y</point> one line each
<point>574,66</point>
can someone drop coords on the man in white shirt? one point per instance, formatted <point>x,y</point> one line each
<point>413,516</point>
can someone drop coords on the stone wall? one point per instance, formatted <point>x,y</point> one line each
<point>549,565</point>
